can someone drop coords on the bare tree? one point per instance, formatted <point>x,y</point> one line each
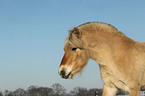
<point>40,91</point>
<point>92,92</point>
<point>20,92</point>
<point>8,93</point>
<point>79,91</point>
<point>32,90</point>
<point>45,91</point>
<point>58,89</point>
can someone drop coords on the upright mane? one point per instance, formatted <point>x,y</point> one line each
<point>99,26</point>
<point>76,33</point>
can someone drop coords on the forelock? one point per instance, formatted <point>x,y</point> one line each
<point>74,38</point>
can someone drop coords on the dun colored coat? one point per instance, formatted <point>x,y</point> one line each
<point>121,59</point>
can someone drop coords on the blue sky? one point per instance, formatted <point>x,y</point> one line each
<point>32,35</point>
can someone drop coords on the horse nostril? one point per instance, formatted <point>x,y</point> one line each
<point>62,73</point>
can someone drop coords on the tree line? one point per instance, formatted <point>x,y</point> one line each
<point>55,90</point>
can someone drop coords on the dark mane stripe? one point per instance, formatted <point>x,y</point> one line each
<point>98,23</point>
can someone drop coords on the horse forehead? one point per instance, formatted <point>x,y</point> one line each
<point>67,40</point>
<point>68,45</point>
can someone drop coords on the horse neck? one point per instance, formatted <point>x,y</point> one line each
<point>100,48</point>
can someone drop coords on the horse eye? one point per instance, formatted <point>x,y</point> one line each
<point>74,49</point>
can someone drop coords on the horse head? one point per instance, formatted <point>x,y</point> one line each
<point>75,56</point>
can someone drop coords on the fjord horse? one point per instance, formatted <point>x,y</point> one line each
<point>121,59</point>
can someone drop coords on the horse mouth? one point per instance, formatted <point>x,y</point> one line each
<point>68,76</point>
<point>65,72</point>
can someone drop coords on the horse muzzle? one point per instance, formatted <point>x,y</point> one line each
<point>65,72</point>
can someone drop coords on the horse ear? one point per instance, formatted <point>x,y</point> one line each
<point>76,32</point>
